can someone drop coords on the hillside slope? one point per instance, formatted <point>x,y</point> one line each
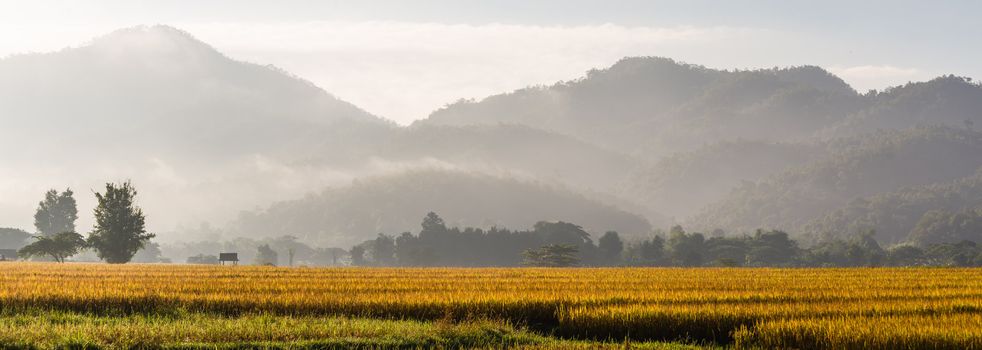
<point>397,203</point>
<point>857,167</point>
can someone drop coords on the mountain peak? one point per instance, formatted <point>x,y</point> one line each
<point>154,40</point>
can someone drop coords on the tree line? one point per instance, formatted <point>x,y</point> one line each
<point>566,244</point>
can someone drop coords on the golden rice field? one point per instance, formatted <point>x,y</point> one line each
<point>46,305</point>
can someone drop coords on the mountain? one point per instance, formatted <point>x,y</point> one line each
<point>161,89</point>
<point>895,215</point>
<point>947,100</point>
<point>513,149</point>
<point>397,203</point>
<point>201,135</point>
<point>683,184</point>
<point>855,167</point>
<point>652,107</point>
<point>646,141</point>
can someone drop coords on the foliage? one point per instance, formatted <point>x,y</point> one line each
<point>611,247</point>
<point>58,246</point>
<point>120,225</point>
<point>896,214</point>
<point>854,168</point>
<point>940,226</point>
<point>56,213</point>
<point>267,256</point>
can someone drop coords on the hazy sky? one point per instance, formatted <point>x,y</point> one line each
<point>402,59</point>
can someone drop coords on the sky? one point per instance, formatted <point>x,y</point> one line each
<point>403,59</point>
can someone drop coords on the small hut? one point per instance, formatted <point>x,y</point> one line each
<point>228,257</point>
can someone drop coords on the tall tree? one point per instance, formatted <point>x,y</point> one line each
<point>120,225</point>
<point>611,246</point>
<point>56,213</point>
<point>433,226</point>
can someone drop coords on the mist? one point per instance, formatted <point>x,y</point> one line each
<point>334,131</point>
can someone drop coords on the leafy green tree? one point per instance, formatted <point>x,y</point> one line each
<point>552,255</point>
<point>266,256</point>
<point>57,213</point>
<point>611,246</point>
<point>120,225</point>
<point>58,246</point>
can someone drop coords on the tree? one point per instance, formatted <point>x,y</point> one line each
<point>771,248</point>
<point>56,213</point>
<point>686,249</point>
<point>552,255</point>
<point>120,225</point>
<point>357,255</point>
<point>611,246</point>
<point>433,226</point>
<point>384,250</point>
<point>266,256</point>
<point>562,233</point>
<point>653,250</point>
<point>59,246</point>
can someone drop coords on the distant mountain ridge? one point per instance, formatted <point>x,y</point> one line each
<point>652,106</point>
<point>623,147</point>
<point>397,203</point>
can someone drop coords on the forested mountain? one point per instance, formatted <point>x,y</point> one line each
<point>895,215</point>
<point>395,203</point>
<point>201,134</point>
<point>655,106</point>
<point>166,93</point>
<point>684,183</point>
<point>856,167</point>
<point>514,149</point>
<point>947,100</point>
<point>205,136</point>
